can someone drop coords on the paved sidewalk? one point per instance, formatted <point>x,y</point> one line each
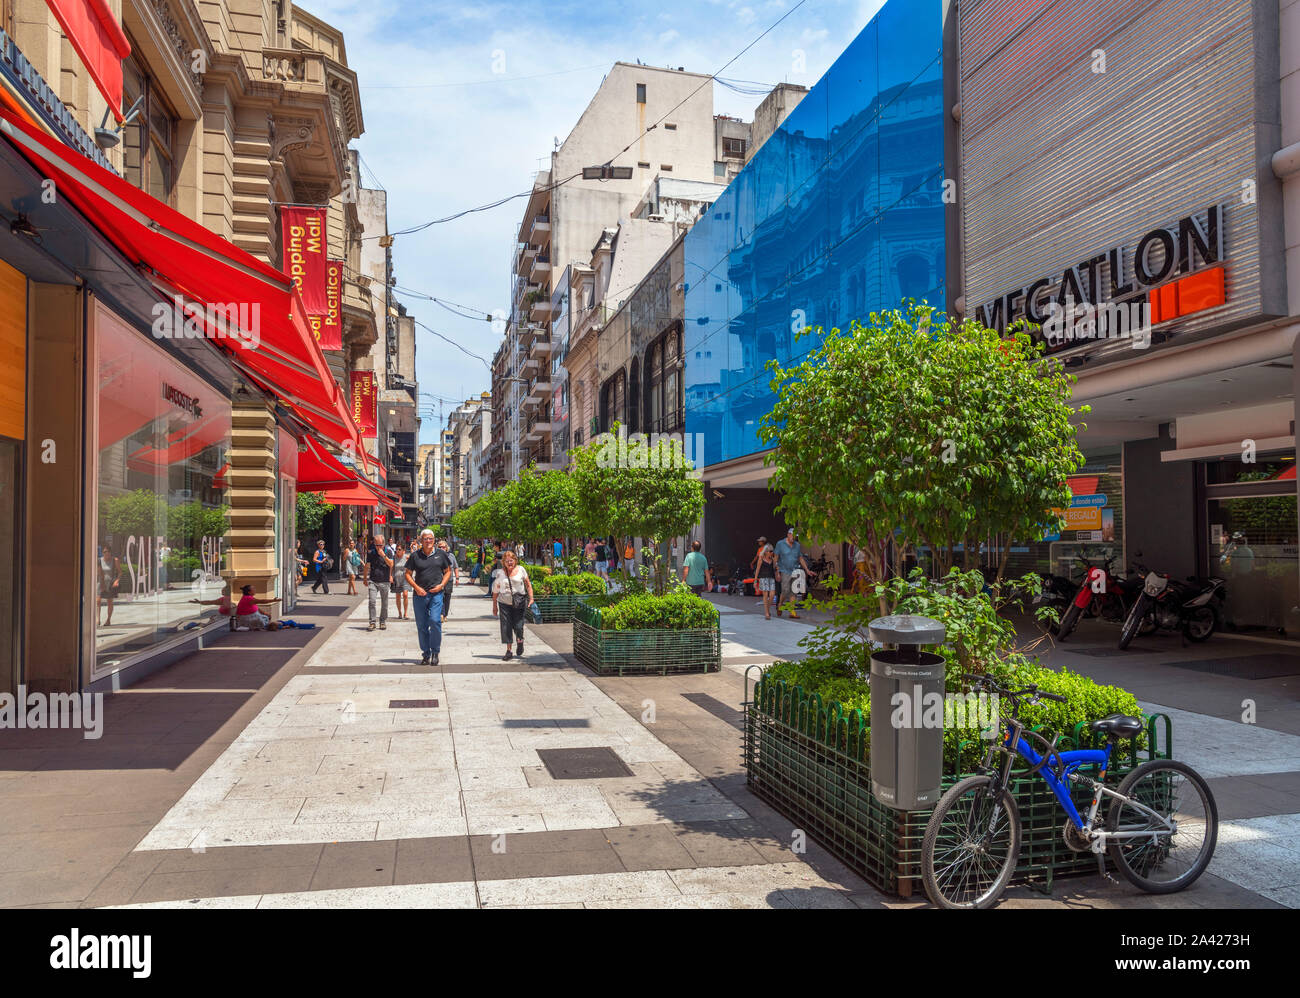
<point>287,770</point>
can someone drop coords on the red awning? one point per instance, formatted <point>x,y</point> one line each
<point>359,495</point>
<point>321,471</point>
<point>95,35</point>
<point>191,267</point>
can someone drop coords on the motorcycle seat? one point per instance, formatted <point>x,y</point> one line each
<point>1118,725</point>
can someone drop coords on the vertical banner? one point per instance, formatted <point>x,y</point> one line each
<point>302,234</point>
<point>331,328</point>
<point>365,403</point>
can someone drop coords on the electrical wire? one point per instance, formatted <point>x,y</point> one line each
<point>474,83</point>
<point>553,186</point>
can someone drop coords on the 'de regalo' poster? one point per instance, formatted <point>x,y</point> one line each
<point>303,238</point>
<point>365,403</point>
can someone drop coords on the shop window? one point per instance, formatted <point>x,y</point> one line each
<point>163,436</point>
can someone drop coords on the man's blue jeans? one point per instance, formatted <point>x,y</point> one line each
<point>428,622</point>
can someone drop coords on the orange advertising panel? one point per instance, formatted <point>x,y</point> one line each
<point>365,399</point>
<point>303,238</point>
<point>13,352</point>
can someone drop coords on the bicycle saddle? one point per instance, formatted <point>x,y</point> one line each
<point>1118,725</point>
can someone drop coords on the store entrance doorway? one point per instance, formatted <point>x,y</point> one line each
<point>1253,545</point>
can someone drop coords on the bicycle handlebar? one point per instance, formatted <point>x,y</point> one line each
<point>1031,691</point>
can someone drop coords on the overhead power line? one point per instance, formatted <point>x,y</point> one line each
<point>649,128</point>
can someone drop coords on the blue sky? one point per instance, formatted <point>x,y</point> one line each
<point>446,130</point>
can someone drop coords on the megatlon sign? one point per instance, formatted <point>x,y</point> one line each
<point>1170,272</point>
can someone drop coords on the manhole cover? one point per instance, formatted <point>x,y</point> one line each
<point>583,763</point>
<point>417,704</point>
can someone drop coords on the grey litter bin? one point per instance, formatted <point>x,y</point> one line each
<point>906,745</point>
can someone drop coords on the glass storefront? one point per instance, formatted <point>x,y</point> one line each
<point>10,565</point>
<point>838,214</point>
<point>1253,543</point>
<point>162,436</point>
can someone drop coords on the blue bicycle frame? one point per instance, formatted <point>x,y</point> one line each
<point>1071,761</point>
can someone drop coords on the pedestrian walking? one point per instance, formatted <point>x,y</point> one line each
<point>300,563</point>
<point>401,587</point>
<point>378,579</point>
<point>428,571</point>
<point>602,560</point>
<point>451,583</point>
<point>512,595</point>
<point>765,578</point>
<point>629,558</point>
<point>789,556</point>
<point>589,554</point>
<point>352,566</point>
<point>695,570</point>
<point>321,561</point>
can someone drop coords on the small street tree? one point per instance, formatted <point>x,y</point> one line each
<point>541,506</point>
<point>312,509</point>
<point>915,430</point>
<point>636,486</point>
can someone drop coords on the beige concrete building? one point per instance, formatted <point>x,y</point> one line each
<point>567,215</point>
<point>240,106</point>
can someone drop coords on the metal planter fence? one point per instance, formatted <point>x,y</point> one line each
<point>557,608</point>
<point>811,762</point>
<point>647,652</point>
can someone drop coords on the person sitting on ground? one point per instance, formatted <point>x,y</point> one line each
<point>247,613</point>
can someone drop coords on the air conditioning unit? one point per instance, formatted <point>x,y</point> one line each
<point>655,218</point>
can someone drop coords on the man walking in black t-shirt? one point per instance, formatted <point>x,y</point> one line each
<point>377,579</point>
<point>429,572</point>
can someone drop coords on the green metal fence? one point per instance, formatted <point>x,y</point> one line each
<point>812,763</point>
<point>557,608</point>
<point>648,652</point>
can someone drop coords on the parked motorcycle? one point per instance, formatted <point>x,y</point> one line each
<point>1101,594</point>
<point>1195,607</point>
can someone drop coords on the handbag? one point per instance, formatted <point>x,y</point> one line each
<point>518,600</point>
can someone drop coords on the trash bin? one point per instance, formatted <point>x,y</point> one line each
<point>906,702</point>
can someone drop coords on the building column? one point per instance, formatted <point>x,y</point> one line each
<point>250,552</point>
<point>51,639</point>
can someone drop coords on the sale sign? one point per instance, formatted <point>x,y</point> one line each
<point>365,400</point>
<point>302,234</point>
<point>331,328</point>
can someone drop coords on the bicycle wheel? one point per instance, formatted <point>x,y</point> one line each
<point>1069,621</point>
<point>1164,862</point>
<point>971,845</point>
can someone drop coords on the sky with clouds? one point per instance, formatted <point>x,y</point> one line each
<point>464,102</point>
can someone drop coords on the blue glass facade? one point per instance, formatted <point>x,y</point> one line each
<point>838,214</point>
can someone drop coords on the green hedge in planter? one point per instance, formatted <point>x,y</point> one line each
<point>580,584</point>
<point>558,595</point>
<point>642,633</point>
<point>810,759</point>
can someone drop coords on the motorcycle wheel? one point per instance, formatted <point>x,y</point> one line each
<point>1199,624</point>
<point>1069,621</point>
<point>1134,622</point>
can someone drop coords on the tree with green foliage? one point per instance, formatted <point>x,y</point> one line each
<point>541,506</point>
<point>636,486</point>
<point>312,510</point>
<point>916,430</point>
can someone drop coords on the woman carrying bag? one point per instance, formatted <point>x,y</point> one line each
<point>512,595</point>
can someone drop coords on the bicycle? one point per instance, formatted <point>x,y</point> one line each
<point>1160,840</point>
